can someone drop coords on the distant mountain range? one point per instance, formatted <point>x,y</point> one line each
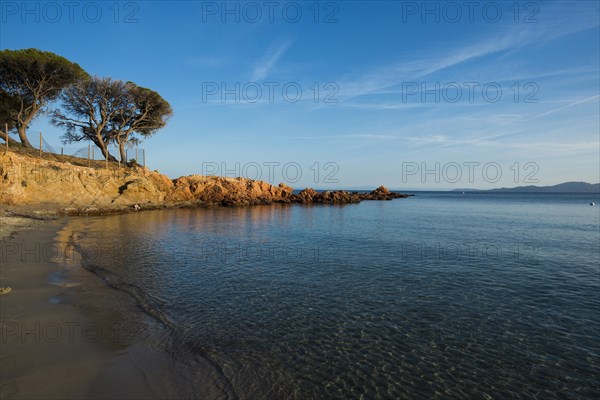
<point>567,187</point>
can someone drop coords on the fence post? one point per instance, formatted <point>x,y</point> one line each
<point>40,144</point>
<point>144,157</point>
<point>137,157</point>
<point>126,156</point>
<point>62,153</point>
<point>88,155</point>
<point>6,132</point>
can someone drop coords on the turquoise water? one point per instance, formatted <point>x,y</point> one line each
<point>442,295</point>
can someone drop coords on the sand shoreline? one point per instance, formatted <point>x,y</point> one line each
<point>35,347</point>
<point>60,326</point>
<point>49,348</point>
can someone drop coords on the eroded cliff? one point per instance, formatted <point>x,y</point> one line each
<point>73,189</point>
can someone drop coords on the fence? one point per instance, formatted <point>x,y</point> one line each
<point>89,153</point>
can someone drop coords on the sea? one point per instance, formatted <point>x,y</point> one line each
<point>445,295</point>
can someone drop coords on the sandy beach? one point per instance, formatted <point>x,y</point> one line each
<point>59,325</point>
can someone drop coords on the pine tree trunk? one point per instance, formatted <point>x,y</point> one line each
<point>23,136</point>
<point>104,150</point>
<point>122,151</point>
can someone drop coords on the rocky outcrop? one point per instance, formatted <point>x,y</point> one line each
<point>26,180</point>
<point>331,197</point>
<point>215,190</point>
<point>382,193</point>
<point>343,196</point>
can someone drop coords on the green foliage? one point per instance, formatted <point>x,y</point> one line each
<point>29,80</point>
<point>147,113</point>
<point>105,110</point>
<point>31,72</point>
<point>9,107</point>
<point>132,163</point>
<point>102,110</point>
<point>89,106</point>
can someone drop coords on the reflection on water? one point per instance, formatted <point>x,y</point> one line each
<point>434,296</point>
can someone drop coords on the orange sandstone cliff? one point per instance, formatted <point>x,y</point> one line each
<point>65,188</point>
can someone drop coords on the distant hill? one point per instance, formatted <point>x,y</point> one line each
<point>567,187</point>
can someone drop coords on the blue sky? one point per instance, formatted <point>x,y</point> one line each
<point>507,92</point>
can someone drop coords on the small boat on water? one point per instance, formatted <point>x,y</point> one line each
<point>592,204</point>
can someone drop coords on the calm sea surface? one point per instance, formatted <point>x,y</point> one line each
<point>442,295</point>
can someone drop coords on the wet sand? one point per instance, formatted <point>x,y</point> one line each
<point>58,325</point>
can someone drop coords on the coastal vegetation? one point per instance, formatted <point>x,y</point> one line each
<point>95,109</point>
<point>104,110</point>
<point>29,80</point>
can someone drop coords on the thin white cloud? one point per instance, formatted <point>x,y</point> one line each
<point>544,114</point>
<point>566,106</point>
<point>384,78</point>
<point>538,146</point>
<point>272,55</point>
<point>429,139</point>
<point>385,106</point>
<point>557,23</point>
<point>369,136</point>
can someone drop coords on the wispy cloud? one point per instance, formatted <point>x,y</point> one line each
<point>557,23</point>
<point>384,106</point>
<point>566,106</point>
<point>369,136</point>
<point>535,117</point>
<point>384,78</point>
<point>428,139</point>
<point>271,56</point>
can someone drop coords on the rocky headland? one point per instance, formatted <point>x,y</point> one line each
<point>53,187</point>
